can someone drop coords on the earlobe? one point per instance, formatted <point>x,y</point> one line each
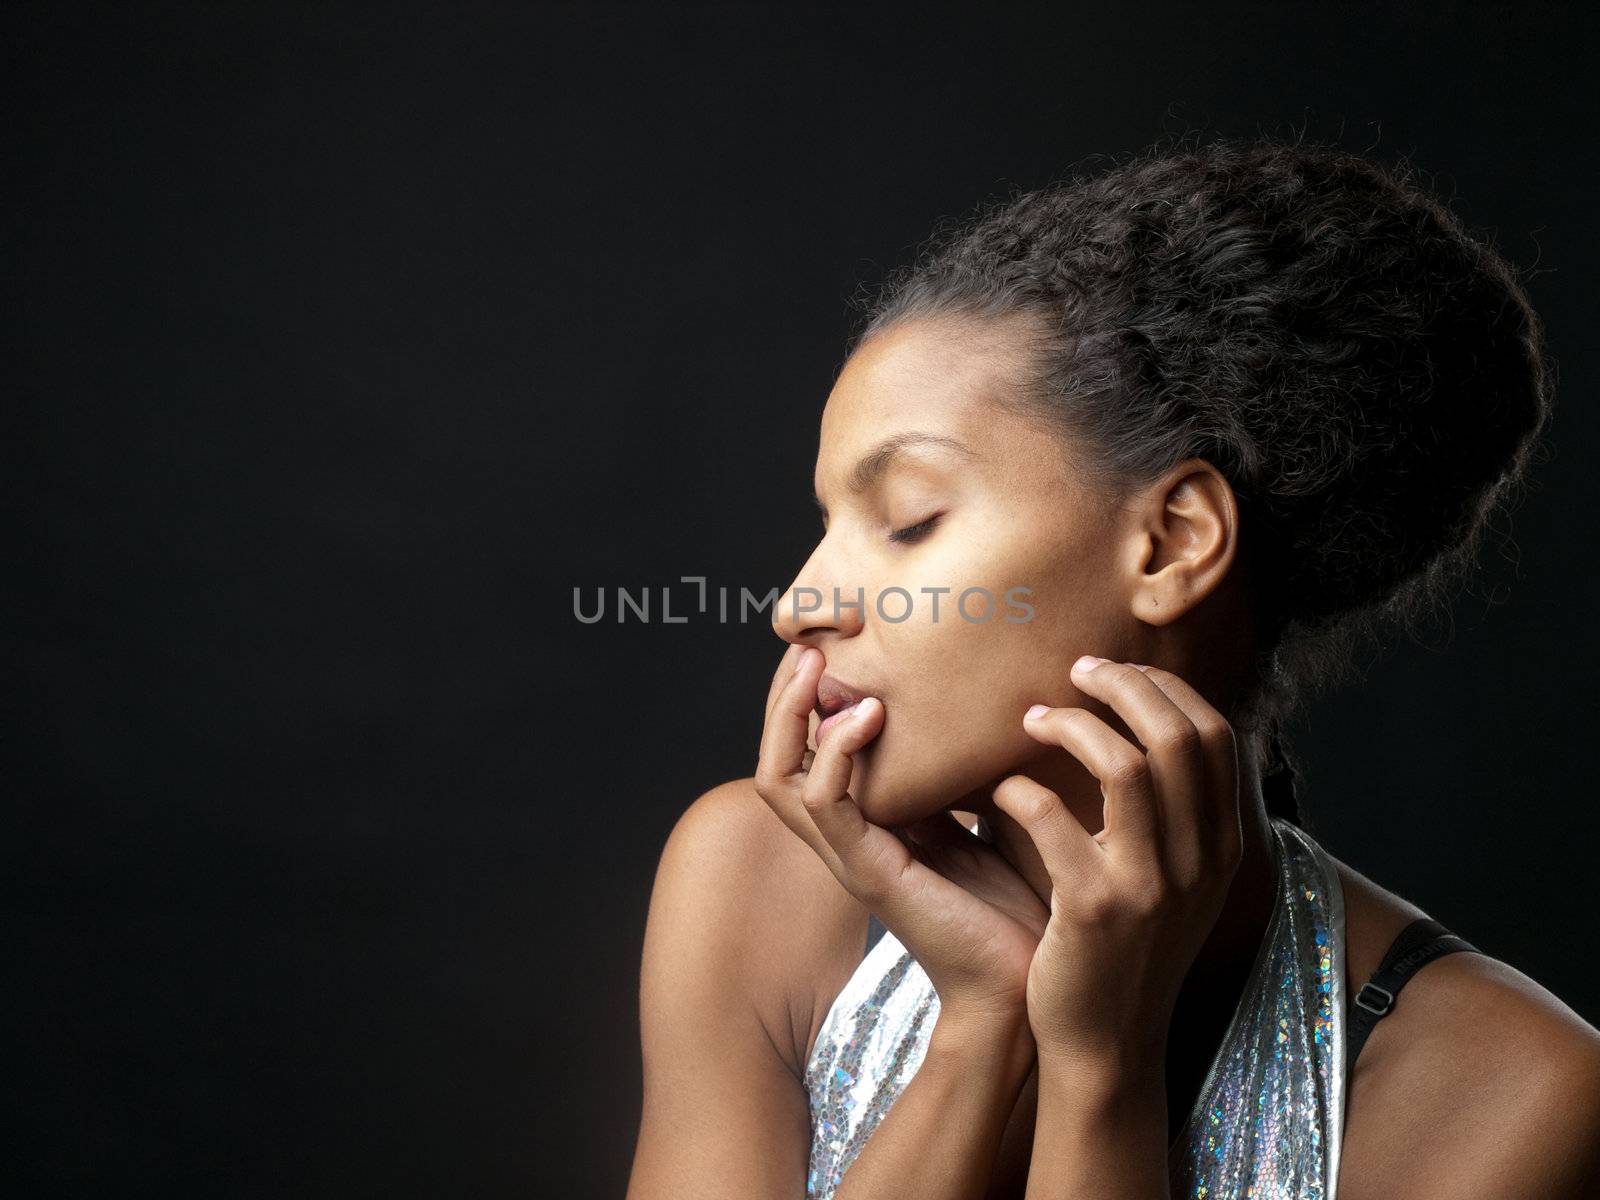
<point>1191,544</point>
<point>1168,588</point>
<point>1183,542</point>
<point>1151,579</point>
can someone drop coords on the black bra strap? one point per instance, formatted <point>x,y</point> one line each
<point>1417,944</point>
<point>875,930</point>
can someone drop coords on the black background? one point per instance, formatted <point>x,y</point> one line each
<point>343,342</point>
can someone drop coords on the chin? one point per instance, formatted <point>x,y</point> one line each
<point>892,793</point>
<point>898,778</point>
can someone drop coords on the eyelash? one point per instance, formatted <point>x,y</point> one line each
<point>914,533</point>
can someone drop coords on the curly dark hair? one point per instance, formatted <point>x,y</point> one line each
<point>1367,374</point>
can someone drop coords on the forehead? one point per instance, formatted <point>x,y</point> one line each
<point>932,378</point>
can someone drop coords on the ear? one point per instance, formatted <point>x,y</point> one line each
<point>1187,537</point>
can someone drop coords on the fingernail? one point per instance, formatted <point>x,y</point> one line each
<point>801,660</point>
<point>1141,666</point>
<point>860,709</point>
<point>1086,664</point>
<point>1038,710</point>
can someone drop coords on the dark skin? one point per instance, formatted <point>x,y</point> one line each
<point>1470,1083</point>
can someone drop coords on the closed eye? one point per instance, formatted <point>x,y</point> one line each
<point>915,533</point>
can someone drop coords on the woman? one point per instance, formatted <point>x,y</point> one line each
<point>995,917</point>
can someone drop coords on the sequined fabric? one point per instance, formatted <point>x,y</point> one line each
<point>1269,1117</point>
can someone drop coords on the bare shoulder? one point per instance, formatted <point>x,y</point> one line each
<point>788,933</point>
<point>1479,1080</point>
<point>735,944</point>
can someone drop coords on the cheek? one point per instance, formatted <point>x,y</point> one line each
<point>971,681</point>
<point>995,672</point>
<point>973,665</point>
<point>963,699</point>
<point>961,687</point>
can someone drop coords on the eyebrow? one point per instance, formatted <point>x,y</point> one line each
<point>881,457</point>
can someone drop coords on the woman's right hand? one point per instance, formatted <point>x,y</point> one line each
<point>968,918</point>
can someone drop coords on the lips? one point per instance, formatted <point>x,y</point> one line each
<point>835,702</point>
<point>832,696</point>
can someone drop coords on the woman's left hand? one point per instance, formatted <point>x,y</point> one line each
<point>1132,905</point>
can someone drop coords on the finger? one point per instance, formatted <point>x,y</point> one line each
<point>1220,808</point>
<point>781,676</point>
<point>1131,816</point>
<point>827,797</point>
<point>1173,750</point>
<point>1074,857</point>
<point>868,859</point>
<point>873,863</point>
<point>783,735</point>
<point>782,765</point>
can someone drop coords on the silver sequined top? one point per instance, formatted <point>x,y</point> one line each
<point>1269,1117</point>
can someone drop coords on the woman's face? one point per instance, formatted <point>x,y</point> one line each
<point>987,500</point>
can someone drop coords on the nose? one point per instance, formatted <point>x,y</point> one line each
<point>819,603</point>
